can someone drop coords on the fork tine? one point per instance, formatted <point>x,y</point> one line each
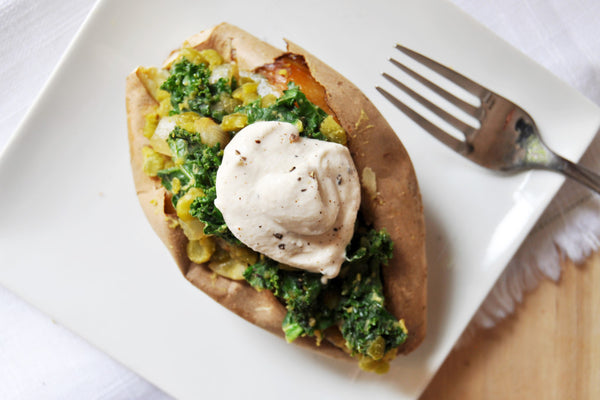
<point>461,104</point>
<point>451,119</point>
<point>449,140</point>
<point>462,81</point>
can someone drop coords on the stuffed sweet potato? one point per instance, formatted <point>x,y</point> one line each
<point>181,118</point>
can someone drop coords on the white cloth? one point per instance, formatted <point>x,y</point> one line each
<point>40,359</point>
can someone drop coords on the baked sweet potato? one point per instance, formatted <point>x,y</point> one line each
<point>391,200</point>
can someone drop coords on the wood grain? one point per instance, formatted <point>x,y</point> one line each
<point>550,348</point>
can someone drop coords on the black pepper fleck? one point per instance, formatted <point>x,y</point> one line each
<point>278,235</point>
<point>281,246</point>
<point>339,179</point>
<point>293,168</point>
<point>303,190</point>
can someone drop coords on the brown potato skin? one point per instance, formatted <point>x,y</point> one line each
<point>372,143</point>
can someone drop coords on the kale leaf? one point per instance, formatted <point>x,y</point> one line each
<point>365,323</point>
<point>196,165</point>
<point>190,89</point>
<point>302,293</point>
<point>292,106</point>
<point>264,275</point>
<point>369,245</point>
<point>205,210</point>
<point>354,300</point>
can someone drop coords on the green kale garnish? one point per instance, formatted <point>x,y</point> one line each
<point>196,165</point>
<point>191,90</point>
<point>264,275</point>
<point>292,106</point>
<point>354,300</point>
<point>369,245</point>
<point>204,209</point>
<point>302,293</point>
<point>365,323</point>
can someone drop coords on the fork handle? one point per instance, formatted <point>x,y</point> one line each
<point>578,173</point>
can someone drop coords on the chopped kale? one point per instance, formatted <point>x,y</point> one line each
<point>264,275</point>
<point>191,90</point>
<point>354,301</point>
<point>196,165</point>
<point>302,293</point>
<point>204,209</point>
<point>364,319</point>
<point>369,244</point>
<point>291,107</point>
<point>365,323</point>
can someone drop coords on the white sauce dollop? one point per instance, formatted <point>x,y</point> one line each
<point>291,198</point>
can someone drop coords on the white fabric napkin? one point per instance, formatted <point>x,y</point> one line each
<point>40,359</point>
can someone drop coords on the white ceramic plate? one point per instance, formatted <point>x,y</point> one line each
<point>74,241</point>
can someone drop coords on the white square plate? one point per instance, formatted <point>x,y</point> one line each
<point>74,241</point>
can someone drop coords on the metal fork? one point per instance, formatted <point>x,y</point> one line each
<point>507,139</point>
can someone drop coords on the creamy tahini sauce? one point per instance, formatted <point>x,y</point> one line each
<point>291,198</point>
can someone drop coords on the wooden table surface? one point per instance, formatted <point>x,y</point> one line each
<point>549,349</point>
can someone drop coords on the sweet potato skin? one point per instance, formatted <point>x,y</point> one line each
<point>372,143</point>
